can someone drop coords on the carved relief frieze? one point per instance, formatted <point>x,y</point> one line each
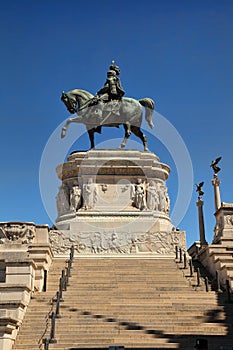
<point>141,195</point>
<point>107,242</point>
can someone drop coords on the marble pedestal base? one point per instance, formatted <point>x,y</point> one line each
<point>122,206</point>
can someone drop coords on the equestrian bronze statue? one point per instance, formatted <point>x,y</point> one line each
<point>108,108</point>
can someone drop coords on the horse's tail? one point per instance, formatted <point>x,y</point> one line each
<point>149,104</point>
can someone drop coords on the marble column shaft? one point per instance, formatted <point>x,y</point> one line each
<point>217,198</point>
<point>200,204</point>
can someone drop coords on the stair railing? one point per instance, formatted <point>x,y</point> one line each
<point>181,258</point>
<point>218,282</point>
<point>47,317</point>
<point>228,289</point>
<point>201,278</point>
<point>181,255</point>
<point>53,315</point>
<point>185,261</point>
<point>206,284</point>
<point>191,267</point>
<point>198,277</point>
<point>177,252</point>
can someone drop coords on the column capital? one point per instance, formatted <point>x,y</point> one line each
<point>199,202</point>
<point>216,181</point>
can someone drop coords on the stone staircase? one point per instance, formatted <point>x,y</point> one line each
<point>216,257</point>
<point>36,318</point>
<point>138,303</point>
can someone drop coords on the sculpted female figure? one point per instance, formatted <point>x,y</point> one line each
<point>152,196</point>
<point>75,197</point>
<point>140,195</point>
<point>89,195</point>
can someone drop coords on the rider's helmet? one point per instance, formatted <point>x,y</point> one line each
<point>115,68</point>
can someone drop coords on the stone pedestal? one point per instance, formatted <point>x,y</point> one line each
<point>113,202</point>
<point>25,256</point>
<point>217,257</point>
<point>223,231</point>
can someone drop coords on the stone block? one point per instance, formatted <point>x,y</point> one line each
<point>14,295</point>
<point>42,234</point>
<point>19,269</point>
<point>21,279</point>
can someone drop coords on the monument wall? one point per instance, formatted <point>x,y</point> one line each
<point>26,254</point>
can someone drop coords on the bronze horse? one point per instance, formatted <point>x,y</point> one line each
<point>94,113</point>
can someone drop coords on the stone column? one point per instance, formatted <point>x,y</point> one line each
<point>217,198</point>
<point>200,204</point>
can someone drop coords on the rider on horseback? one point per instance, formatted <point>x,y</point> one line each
<point>112,89</point>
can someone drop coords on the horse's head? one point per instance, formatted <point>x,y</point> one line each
<point>70,102</point>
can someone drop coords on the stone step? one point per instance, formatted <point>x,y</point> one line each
<point>113,276</point>
<point>132,300</point>
<point>143,322</point>
<point>123,320</point>
<point>105,337</point>
<point>132,315</point>
<point>103,345</point>
<point>139,279</point>
<point>159,325</point>
<point>187,344</point>
<point>134,309</point>
<point>116,295</point>
<point>115,282</point>
<point>127,270</point>
<point>152,293</point>
<point>157,290</point>
<point>116,309</point>
<point>81,297</point>
<point>224,260</point>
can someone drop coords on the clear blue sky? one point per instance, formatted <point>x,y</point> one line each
<point>179,53</point>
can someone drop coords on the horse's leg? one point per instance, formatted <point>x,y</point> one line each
<point>137,131</point>
<point>91,133</point>
<point>127,128</point>
<point>127,135</point>
<point>70,120</point>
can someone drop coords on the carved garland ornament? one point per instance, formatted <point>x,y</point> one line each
<point>229,220</point>
<point>17,233</point>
